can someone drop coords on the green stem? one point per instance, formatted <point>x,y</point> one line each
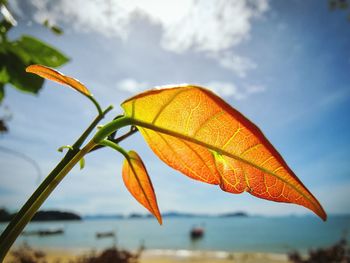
<point>117,140</point>
<point>92,126</point>
<point>115,147</point>
<point>97,105</point>
<point>111,127</point>
<point>26,213</point>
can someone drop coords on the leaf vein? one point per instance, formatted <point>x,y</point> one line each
<point>179,158</point>
<point>218,114</point>
<point>172,98</point>
<point>222,151</point>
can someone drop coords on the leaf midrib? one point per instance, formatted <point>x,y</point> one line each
<point>223,152</point>
<point>131,164</point>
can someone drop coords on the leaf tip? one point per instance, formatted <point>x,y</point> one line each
<point>54,75</point>
<point>322,213</point>
<point>31,68</point>
<point>138,182</point>
<point>315,206</point>
<point>82,163</point>
<point>158,216</point>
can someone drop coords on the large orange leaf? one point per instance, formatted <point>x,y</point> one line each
<point>196,132</point>
<point>139,184</point>
<point>54,75</point>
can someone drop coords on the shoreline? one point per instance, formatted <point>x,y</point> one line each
<point>169,256</point>
<point>182,255</point>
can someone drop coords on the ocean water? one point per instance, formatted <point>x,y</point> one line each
<point>263,234</point>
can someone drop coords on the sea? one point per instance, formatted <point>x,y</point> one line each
<point>233,234</point>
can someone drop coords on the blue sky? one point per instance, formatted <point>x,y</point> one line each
<point>283,64</point>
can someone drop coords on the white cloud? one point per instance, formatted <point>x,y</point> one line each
<point>228,89</point>
<point>252,89</point>
<point>209,27</point>
<point>238,64</point>
<point>132,85</point>
<point>222,88</point>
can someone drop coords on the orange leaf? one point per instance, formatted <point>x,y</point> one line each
<point>139,184</point>
<point>54,75</point>
<point>196,132</point>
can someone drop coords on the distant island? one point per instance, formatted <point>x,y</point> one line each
<point>171,214</point>
<point>180,214</point>
<point>5,216</point>
<point>56,215</point>
<point>103,217</point>
<point>234,214</point>
<point>49,215</point>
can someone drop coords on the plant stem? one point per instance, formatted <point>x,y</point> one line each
<point>117,140</point>
<point>97,105</point>
<point>111,127</point>
<point>26,213</point>
<point>126,135</point>
<point>115,146</point>
<point>89,129</point>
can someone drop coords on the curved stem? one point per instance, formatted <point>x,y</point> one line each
<point>97,105</point>
<point>126,135</point>
<point>89,129</point>
<point>110,128</point>
<point>115,147</point>
<point>117,140</point>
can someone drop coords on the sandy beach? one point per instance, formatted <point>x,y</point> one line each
<point>174,256</point>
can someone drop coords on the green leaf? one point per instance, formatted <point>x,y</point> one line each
<point>55,29</point>
<point>3,126</point>
<point>4,75</point>
<point>82,163</point>
<point>17,76</point>
<point>2,92</point>
<point>5,26</point>
<point>34,51</point>
<point>69,147</point>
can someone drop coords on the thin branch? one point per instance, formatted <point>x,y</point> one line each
<point>133,130</point>
<point>92,126</point>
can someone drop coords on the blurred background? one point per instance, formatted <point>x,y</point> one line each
<point>283,64</point>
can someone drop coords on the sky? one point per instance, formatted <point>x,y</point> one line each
<point>283,64</point>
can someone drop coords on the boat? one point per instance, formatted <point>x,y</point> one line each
<point>197,232</point>
<point>104,234</point>
<point>44,232</point>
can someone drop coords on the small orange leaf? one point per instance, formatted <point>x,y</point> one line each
<point>196,132</point>
<point>54,75</point>
<point>139,184</point>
